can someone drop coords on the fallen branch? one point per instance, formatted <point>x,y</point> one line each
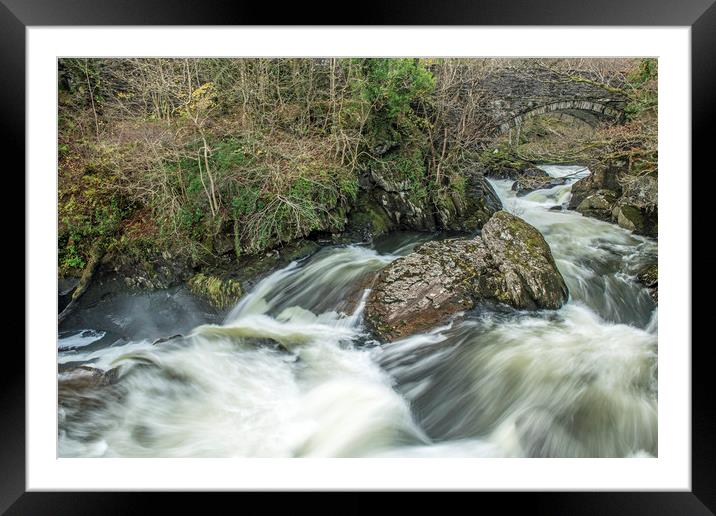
<point>96,254</point>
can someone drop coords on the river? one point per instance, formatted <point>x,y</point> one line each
<point>291,372</point>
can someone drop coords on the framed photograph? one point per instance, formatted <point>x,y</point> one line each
<point>421,253</point>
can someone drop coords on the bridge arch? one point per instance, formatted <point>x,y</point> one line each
<point>589,111</point>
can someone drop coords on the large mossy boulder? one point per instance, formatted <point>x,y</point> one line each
<point>637,209</point>
<point>528,277</point>
<point>509,263</point>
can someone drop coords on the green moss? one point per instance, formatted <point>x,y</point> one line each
<point>405,170</point>
<point>369,216</point>
<point>222,293</point>
<point>630,217</point>
<point>501,157</point>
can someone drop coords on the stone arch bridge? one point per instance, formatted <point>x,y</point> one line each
<point>514,95</point>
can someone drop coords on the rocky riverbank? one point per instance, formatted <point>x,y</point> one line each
<point>383,205</point>
<point>611,194</point>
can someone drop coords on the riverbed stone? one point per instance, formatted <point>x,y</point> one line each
<point>528,277</point>
<point>637,209</point>
<point>598,205</point>
<point>603,177</point>
<point>649,277</point>
<point>509,263</point>
<point>527,184</point>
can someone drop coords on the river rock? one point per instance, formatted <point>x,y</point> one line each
<point>598,205</point>
<point>222,293</point>
<point>637,209</point>
<point>472,210</point>
<point>510,263</point>
<point>611,193</point>
<point>649,277</point>
<point>526,184</point>
<point>528,277</point>
<point>601,178</point>
<point>85,377</point>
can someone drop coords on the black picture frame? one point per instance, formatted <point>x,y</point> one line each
<point>700,15</point>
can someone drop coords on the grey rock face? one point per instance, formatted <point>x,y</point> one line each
<point>386,205</point>
<point>637,209</point>
<point>472,210</point>
<point>649,277</point>
<point>600,179</point>
<point>528,274</point>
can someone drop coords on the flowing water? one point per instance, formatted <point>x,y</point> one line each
<point>291,371</point>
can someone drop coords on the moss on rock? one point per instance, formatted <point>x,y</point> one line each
<point>629,217</point>
<point>369,220</point>
<point>510,263</point>
<point>221,293</point>
<point>598,205</point>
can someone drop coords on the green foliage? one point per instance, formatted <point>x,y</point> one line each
<point>406,168</point>
<point>643,95</point>
<point>271,193</point>
<point>314,198</point>
<point>246,201</point>
<point>394,88</point>
<point>71,258</point>
<point>285,141</point>
<point>394,85</point>
<point>77,77</point>
<point>86,213</point>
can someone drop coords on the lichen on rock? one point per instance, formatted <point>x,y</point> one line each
<point>528,274</point>
<point>509,263</point>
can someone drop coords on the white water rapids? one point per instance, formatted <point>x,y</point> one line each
<point>291,371</point>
